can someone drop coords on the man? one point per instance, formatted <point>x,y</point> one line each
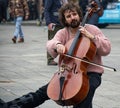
<point>71,17</point>
<point>18,10</point>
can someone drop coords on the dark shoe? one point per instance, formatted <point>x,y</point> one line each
<point>3,104</point>
<point>14,39</point>
<point>21,40</point>
<point>52,63</point>
<point>25,101</point>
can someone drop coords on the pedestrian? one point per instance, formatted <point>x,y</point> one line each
<point>104,3</point>
<point>86,5</point>
<point>51,18</point>
<point>18,10</point>
<point>32,4</point>
<point>3,10</point>
<point>83,4</point>
<point>70,16</point>
<point>41,11</point>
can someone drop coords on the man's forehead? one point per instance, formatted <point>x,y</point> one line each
<point>70,10</point>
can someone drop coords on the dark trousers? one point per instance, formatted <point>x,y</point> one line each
<point>94,79</point>
<point>94,82</point>
<point>37,98</point>
<point>40,96</point>
<point>51,34</point>
<point>3,11</point>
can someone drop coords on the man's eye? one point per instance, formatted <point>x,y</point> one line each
<point>68,16</point>
<point>74,14</point>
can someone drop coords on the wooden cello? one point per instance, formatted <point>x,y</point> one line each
<point>70,85</point>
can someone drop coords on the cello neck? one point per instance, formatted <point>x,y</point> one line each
<point>73,45</point>
<point>77,36</point>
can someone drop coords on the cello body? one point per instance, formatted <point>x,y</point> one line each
<point>70,84</point>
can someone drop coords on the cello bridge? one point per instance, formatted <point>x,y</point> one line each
<point>65,67</point>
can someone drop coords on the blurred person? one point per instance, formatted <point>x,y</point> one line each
<point>52,21</point>
<point>33,14</point>
<point>83,4</point>
<point>70,16</point>
<point>42,8</point>
<point>86,5</point>
<point>96,15</point>
<point>18,10</point>
<point>104,3</point>
<point>3,10</point>
<point>38,5</point>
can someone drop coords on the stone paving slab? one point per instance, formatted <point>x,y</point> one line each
<point>23,67</point>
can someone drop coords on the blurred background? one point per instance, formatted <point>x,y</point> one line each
<point>111,13</point>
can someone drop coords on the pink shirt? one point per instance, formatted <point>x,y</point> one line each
<point>102,44</point>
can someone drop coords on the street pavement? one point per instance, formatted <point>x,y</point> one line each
<point>23,66</point>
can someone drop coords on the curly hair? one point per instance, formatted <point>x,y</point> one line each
<point>71,7</point>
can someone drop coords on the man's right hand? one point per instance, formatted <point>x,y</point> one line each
<point>60,48</point>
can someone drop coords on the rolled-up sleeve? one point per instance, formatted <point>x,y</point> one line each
<point>103,44</point>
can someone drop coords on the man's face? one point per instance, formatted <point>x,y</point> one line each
<point>72,18</point>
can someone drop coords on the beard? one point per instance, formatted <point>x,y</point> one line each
<point>74,23</point>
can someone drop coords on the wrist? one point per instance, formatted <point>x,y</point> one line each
<point>58,43</point>
<point>56,47</point>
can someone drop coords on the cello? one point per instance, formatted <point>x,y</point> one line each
<point>70,85</point>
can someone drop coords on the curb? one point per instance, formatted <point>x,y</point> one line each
<point>26,23</point>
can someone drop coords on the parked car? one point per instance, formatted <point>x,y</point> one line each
<point>111,15</point>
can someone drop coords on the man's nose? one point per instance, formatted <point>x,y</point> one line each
<point>72,17</point>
